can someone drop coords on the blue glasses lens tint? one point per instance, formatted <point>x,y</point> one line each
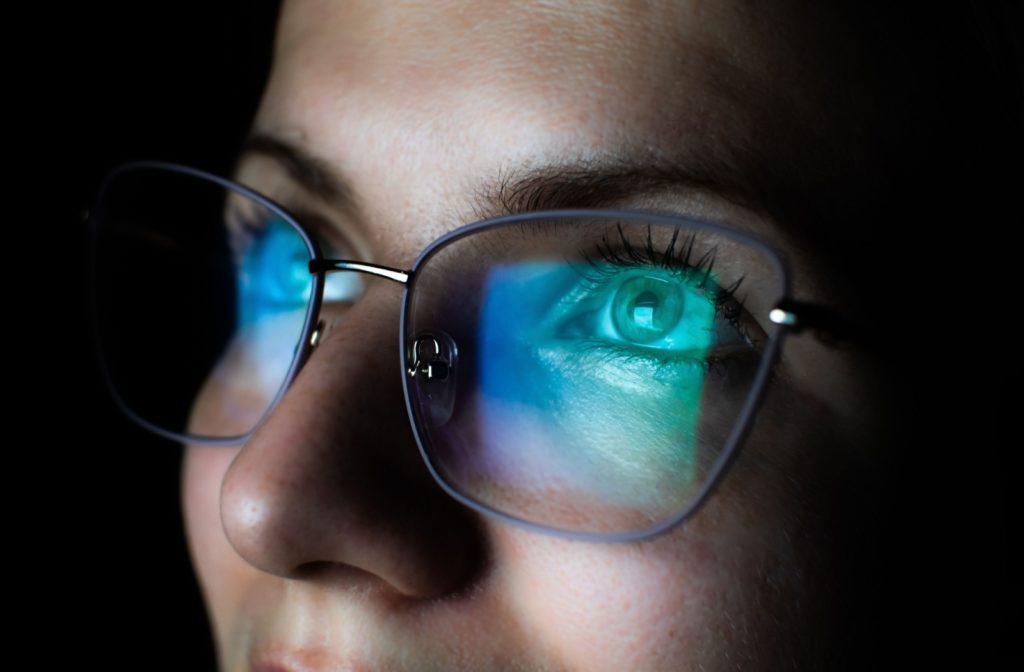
<point>593,368</point>
<point>202,299</point>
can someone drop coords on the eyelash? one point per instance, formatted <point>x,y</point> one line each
<point>676,258</point>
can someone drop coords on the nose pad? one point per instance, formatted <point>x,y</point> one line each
<point>435,359</point>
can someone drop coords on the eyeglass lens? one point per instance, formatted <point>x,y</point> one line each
<point>593,368</point>
<point>202,299</point>
<point>576,372</point>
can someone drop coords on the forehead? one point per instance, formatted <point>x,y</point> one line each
<point>417,102</point>
<point>557,55</point>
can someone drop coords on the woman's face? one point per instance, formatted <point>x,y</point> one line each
<point>324,543</point>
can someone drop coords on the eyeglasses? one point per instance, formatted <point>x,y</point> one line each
<point>586,373</point>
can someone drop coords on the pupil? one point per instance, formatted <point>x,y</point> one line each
<point>645,311</point>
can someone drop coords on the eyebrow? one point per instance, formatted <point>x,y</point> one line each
<point>600,183</point>
<point>313,173</point>
<point>579,184</point>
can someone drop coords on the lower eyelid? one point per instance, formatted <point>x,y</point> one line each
<point>650,359</point>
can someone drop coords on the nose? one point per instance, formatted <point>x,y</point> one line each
<point>333,479</point>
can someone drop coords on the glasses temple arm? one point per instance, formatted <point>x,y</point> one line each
<point>829,327</point>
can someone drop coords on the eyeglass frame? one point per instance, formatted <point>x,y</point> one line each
<point>789,315</point>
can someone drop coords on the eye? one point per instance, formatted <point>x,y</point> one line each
<point>272,268</point>
<point>652,314</point>
<point>335,243</point>
<point>655,312</point>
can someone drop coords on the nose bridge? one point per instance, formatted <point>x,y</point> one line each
<point>328,310</point>
<point>334,477</point>
<point>335,265</point>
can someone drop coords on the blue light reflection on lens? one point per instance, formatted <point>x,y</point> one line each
<point>593,386</point>
<point>274,273</point>
<point>274,288</point>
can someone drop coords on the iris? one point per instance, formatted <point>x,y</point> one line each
<point>645,308</point>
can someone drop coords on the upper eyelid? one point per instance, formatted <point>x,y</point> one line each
<point>335,234</point>
<point>334,239</point>
<point>328,235</point>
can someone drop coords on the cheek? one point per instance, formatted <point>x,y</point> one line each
<point>678,598</point>
<point>222,574</point>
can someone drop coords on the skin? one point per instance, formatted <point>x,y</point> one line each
<point>324,544</point>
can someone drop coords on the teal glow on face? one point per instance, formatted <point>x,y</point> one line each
<point>595,383</point>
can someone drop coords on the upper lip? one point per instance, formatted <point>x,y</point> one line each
<point>282,659</point>
<point>303,627</point>
<point>269,667</point>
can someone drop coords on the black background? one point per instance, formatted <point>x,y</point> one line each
<point>108,82</point>
<point>97,555</point>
